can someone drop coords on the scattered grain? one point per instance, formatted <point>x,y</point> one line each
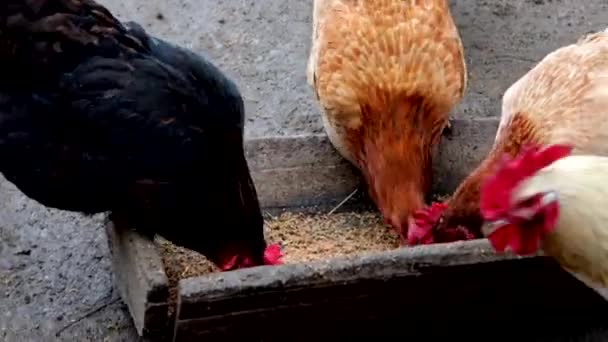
<point>181,263</point>
<point>306,238</point>
<point>303,238</point>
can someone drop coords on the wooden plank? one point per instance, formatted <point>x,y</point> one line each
<point>304,171</point>
<point>140,277</point>
<point>407,291</point>
<point>290,173</point>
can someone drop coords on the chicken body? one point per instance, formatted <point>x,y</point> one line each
<point>563,99</point>
<point>579,241</point>
<point>386,74</point>
<point>96,116</point>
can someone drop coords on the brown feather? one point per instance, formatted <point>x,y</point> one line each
<point>563,99</point>
<point>386,74</point>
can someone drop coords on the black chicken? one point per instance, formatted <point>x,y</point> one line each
<point>98,116</point>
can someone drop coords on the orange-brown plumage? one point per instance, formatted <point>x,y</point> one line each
<point>463,207</point>
<point>386,74</point>
<point>563,99</point>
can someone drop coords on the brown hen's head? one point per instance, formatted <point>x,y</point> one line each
<point>423,227</point>
<point>396,143</point>
<point>396,200</point>
<point>218,213</point>
<point>462,210</point>
<point>520,224</point>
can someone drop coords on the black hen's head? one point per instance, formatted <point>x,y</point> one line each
<point>224,220</point>
<point>241,243</point>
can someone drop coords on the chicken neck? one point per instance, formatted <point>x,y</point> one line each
<point>463,206</point>
<point>395,157</point>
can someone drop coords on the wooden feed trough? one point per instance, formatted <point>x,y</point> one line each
<point>437,290</point>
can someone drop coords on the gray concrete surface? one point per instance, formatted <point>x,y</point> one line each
<point>54,266</point>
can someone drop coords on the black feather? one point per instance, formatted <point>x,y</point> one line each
<point>96,116</point>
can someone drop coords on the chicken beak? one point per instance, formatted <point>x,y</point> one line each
<point>490,227</point>
<point>548,198</point>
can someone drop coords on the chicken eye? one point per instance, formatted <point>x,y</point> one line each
<point>528,202</point>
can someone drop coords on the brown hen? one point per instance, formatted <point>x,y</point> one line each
<point>386,74</point>
<point>562,100</point>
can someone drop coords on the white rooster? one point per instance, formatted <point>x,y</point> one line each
<point>550,201</point>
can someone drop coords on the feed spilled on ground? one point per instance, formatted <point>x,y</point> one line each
<point>302,238</point>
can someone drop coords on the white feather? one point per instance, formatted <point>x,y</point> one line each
<point>580,239</point>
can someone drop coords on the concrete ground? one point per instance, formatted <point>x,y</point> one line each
<point>55,267</point>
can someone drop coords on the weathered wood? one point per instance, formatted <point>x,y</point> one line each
<point>407,289</point>
<point>140,277</point>
<point>305,171</point>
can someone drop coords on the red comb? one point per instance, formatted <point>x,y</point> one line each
<point>522,241</point>
<point>273,255</point>
<point>420,230</point>
<point>495,191</point>
<point>451,234</point>
<point>230,263</point>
